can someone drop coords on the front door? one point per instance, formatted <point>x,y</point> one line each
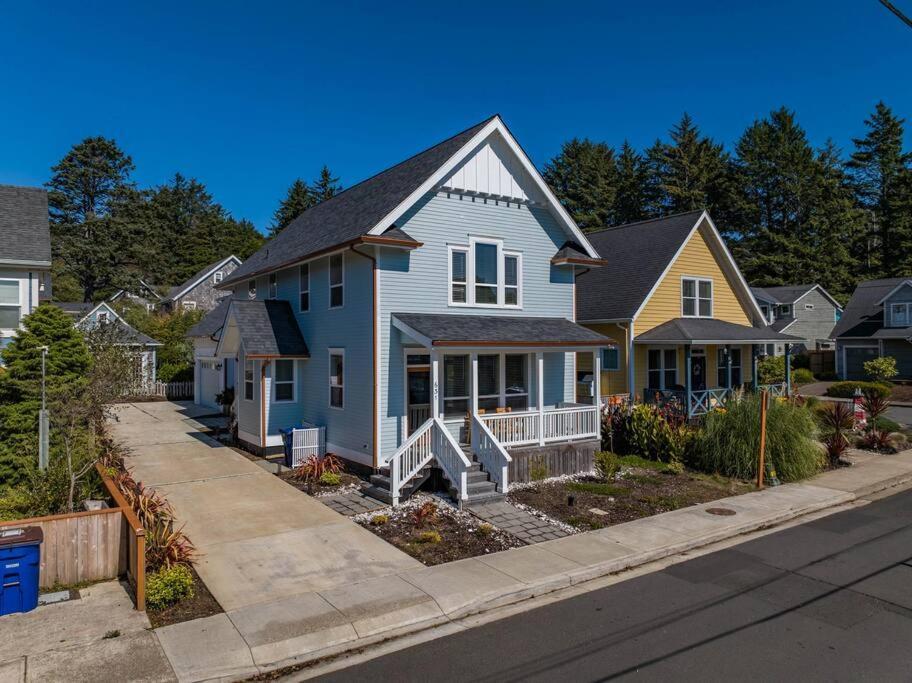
<point>419,397</point>
<point>698,371</point>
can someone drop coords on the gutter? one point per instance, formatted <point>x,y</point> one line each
<point>375,347</point>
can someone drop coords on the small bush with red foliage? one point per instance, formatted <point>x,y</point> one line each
<point>315,467</point>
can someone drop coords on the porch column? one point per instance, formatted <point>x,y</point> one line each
<point>540,384</point>
<point>788,369</point>
<point>474,400</point>
<point>728,367</point>
<point>687,377</point>
<point>435,383</point>
<point>597,377</point>
<point>755,381</point>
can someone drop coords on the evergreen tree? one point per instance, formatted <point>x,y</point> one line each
<point>879,166</point>
<point>85,190</point>
<point>584,178</point>
<point>631,198</point>
<point>297,200</point>
<point>325,186</point>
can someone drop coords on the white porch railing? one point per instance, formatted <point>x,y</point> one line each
<point>491,453</point>
<point>417,416</point>
<point>576,422</point>
<point>169,390</point>
<point>512,429</point>
<point>432,440</point>
<point>775,390</point>
<point>557,424</point>
<point>702,402</point>
<point>311,440</point>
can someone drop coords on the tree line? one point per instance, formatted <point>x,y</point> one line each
<point>791,213</point>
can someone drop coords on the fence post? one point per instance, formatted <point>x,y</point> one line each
<point>764,396</point>
<point>141,570</point>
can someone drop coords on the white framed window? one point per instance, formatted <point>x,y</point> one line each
<point>188,305</point>
<point>251,289</point>
<point>459,274</point>
<point>218,276</point>
<point>785,311</point>
<point>249,373</point>
<point>273,285</point>
<point>503,381</point>
<point>722,368</point>
<point>486,256</point>
<point>900,315</point>
<point>662,368</point>
<point>304,287</point>
<point>512,279</point>
<point>611,358</point>
<point>809,307</point>
<point>336,280</point>
<point>10,309</point>
<point>483,274</point>
<point>455,385</point>
<point>696,297</point>
<point>337,378</point>
<point>284,380</point>
<point>101,316</point>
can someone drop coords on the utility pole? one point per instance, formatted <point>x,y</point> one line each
<point>43,416</point>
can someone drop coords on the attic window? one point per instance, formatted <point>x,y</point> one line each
<point>809,307</point>
<point>218,277</point>
<point>102,316</point>
<point>696,298</point>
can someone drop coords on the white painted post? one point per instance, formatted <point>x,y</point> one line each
<point>597,389</point>
<point>474,406</point>
<point>435,383</point>
<point>540,369</point>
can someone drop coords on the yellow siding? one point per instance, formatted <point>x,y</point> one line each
<point>712,351</point>
<point>614,382</point>
<point>695,259</point>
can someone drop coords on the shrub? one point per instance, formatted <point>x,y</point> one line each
<point>802,376</point>
<point>658,433</point>
<point>379,520</point>
<point>312,469</point>
<point>771,369</point>
<point>168,585</point>
<point>730,441</point>
<point>429,537</point>
<point>836,420</point>
<point>596,488</point>
<point>330,479</point>
<point>885,424</point>
<point>538,470</point>
<point>426,513</point>
<point>175,372</point>
<point>847,389</point>
<point>167,547</point>
<point>606,464</point>
<point>881,369</point>
<point>485,529</point>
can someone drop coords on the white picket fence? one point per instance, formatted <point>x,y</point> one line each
<point>170,390</point>
<point>307,442</point>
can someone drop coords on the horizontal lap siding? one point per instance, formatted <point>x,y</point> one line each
<point>814,324</point>
<point>613,381</point>
<point>416,281</point>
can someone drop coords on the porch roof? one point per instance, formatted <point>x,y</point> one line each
<point>267,328</point>
<point>711,331</point>
<point>433,329</point>
<point>893,333</point>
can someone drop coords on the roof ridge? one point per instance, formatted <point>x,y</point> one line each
<point>31,188</point>
<point>645,220</point>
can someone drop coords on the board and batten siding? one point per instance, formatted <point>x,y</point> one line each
<point>902,295</point>
<point>416,282</point>
<point>698,260</point>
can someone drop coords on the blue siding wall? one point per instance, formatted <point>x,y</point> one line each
<point>417,282</point>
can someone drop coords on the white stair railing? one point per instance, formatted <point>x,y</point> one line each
<point>451,459</point>
<point>431,441</point>
<point>491,453</point>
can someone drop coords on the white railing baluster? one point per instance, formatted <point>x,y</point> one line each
<point>491,453</point>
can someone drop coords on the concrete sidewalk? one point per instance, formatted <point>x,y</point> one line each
<point>321,623</point>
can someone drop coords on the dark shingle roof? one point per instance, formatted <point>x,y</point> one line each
<point>353,212</point>
<point>788,294</point>
<point>681,330</point>
<point>24,231</point>
<point>762,294</point>
<point>637,255</point>
<point>450,330</point>
<point>130,335</point>
<point>863,316</point>
<point>174,291</point>
<point>212,322</point>
<point>268,328</point>
<point>782,323</point>
<point>75,308</point>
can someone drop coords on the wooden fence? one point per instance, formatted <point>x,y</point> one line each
<point>822,362</point>
<point>170,390</point>
<point>92,545</point>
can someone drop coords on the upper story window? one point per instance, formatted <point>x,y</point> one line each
<point>785,311</point>
<point>102,316</point>
<point>696,297</point>
<point>273,286</point>
<point>337,378</point>
<point>251,289</point>
<point>304,287</point>
<point>218,276</point>
<point>9,304</point>
<point>483,274</point>
<point>336,280</point>
<point>900,315</point>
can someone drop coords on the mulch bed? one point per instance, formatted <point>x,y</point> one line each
<point>202,604</point>
<point>319,489</point>
<point>634,494</point>
<point>461,534</point>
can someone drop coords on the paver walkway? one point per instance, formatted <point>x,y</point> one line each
<point>352,503</point>
<point>260,539</point>
<point>526,527</point>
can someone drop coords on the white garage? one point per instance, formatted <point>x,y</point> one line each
<point>209,373</point>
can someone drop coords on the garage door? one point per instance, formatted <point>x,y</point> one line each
<point>209,382</point>
<point>855,358</point>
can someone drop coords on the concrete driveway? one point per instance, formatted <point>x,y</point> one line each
<point>260,540</point>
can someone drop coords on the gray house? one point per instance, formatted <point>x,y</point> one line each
<point>804,311</point>
<point>25,255</point>
<point>423,318</point>
<point>201,291</point>
<point>877,322</point>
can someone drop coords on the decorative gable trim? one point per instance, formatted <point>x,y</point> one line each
<point>103,304</point>
<point>206,275</point>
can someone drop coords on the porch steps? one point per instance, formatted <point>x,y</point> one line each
<point>380,485</point>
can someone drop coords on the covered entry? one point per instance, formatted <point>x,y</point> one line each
<point>856,357</point>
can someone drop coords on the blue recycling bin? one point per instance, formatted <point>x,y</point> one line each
<point>20,560</point>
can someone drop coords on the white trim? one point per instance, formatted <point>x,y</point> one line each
<point>294,380</point>
<point>412,332</point>
<point>896,289</point>
<point>205,276</point>
<point>272,285</point>
<point>496,124</point>
<point>253,382</point>
<point>25,262</point>
<point>97,306</point>
<point>697,279</point>
<point>330,285</point>
<point>471,284</point>
<point>335,351</point>
<point>451,248</point>
<point>301,289</point>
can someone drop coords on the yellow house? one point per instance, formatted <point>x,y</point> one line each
<point>687,325</point>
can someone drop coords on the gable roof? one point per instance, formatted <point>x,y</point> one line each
<point>25,236</point>
<point>864,314</point>
<point>267,328</point>
<point>895,289</point>
<point>144,288</point>
<point>199,276</point>
<point>369,210</point>
<point>212,322</point>
<point>789,294</point>
<point>128,334</point>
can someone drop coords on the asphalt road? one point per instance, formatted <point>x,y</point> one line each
<point>900,414</point>
<point>827,600</point>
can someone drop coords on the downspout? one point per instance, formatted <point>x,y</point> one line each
<point>376,364</point>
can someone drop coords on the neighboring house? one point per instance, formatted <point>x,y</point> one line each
<point>805,311</point>
<point>211,374</point>
<point>142,294</point>
<point>25,255</point>
<point>688,326</point>
<point>426,307</point>
<point>88,316</point>
<point>201,291</point>
<point>876,322</point>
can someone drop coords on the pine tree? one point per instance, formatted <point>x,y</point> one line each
<point>297,200</point>
<point>631,199</point>
<point>85,190</point>
<point>325,186</point>
<point>584,177</point>
<point>878,165</point>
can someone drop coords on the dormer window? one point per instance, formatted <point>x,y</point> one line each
<point>251,289</point>
<point>900,315</point>
<point>696,298</point>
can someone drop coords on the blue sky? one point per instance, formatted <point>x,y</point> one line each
<point>247,96</point>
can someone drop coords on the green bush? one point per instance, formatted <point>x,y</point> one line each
<point>606,464</point>
<point>330,479</point>
<point>168,585</point>
<point>175,372</point>
<point>802,376</point>
<point>730,440</point>
<point>659,434</point>
<point>847,389</point>
<point>429,537</point>
<point>771,370</point>
<point>881,369</point>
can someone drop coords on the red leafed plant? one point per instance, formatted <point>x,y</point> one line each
<point>424,514</point>
<point>837,420</point>
<point>315,467</point>
<point>167,546</point>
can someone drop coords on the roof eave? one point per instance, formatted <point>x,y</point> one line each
<point>578,261</point>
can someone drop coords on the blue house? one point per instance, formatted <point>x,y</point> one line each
<point>425,319</point>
